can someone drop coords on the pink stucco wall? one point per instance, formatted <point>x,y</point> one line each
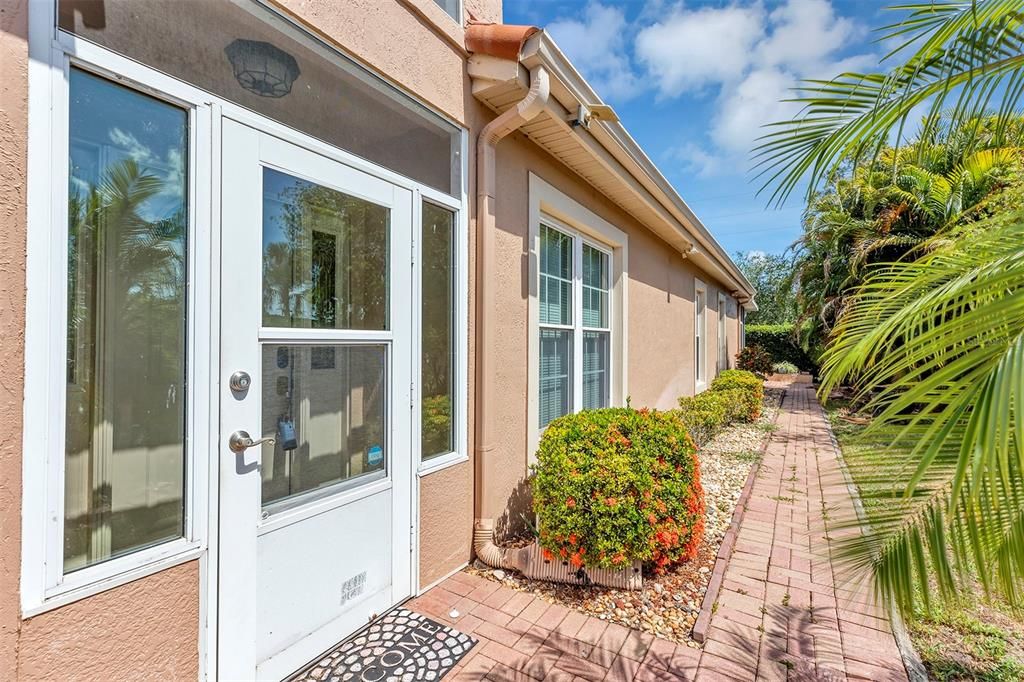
<point>145,630</point>
<point>13,130</point>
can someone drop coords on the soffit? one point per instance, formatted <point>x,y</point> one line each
<point>605,155</point>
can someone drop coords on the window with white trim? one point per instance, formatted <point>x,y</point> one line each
<point>723,339</point>
<point>574,325</point>
<point>127,273</point>
<point>699,336</point>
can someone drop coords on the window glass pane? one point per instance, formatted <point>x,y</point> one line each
<point>325,406</point>
<point>596,372</point>
<point>248,54</point>
<point>127,271</point>
<point>325,257</point>
<point>555,276</point>
<point>698,332</point>
<point>595,287</point>
<point>450,6</point>
<point>555,369</point>
<point>723,360</point>
<point>438,322</point>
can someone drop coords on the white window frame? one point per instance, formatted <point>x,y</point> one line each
<point>723,333</point>
<point>551,207</point>
<point>460,330</point>
<point>700,333</point>
<point>44,585</point>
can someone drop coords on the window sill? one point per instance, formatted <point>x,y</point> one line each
<point>700,387</point>
<point>128,569</point>
<point>432,466</point>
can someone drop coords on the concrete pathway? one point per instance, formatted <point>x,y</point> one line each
<point>780,614</point>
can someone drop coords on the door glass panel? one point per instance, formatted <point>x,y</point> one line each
<point>325,257</point>
<point>124,468</point>
<point>325,406</point>
<point>438,320</point>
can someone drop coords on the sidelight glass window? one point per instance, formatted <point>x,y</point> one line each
<point>437,314</point>
<point>127,270</point>
<point>575,333</point>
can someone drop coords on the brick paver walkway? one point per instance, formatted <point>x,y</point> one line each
<point>780,614</point>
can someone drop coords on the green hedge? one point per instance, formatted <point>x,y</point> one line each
<point>777,340</point>
<point>745,387</point>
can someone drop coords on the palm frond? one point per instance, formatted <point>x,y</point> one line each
<point>936,347</point>
<point>962,55</point>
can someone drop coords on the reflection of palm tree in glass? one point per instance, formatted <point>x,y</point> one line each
<point>125,360</point>
<point>330,268</point>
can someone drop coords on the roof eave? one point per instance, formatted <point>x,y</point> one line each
<point>620,153</point>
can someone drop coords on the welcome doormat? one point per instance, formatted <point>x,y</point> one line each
<point>400,646</point>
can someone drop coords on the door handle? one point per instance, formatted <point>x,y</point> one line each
<point>241,440</point>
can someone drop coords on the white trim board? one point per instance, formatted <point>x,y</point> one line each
<point>548,204</point>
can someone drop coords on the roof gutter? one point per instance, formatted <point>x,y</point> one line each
<point>504,40</point>
<point>569,84</point>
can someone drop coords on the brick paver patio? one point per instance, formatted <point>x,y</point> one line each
<point>780,614</point>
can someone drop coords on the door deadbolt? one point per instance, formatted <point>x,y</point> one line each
<point>240,381</point>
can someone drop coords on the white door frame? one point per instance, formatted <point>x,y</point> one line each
<point>245,150</point>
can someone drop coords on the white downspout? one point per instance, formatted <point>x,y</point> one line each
<point>532,104</point>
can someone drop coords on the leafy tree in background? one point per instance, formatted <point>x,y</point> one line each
<point>937,343</point>
<point>770,275</point>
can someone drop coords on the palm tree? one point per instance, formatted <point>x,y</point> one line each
<point>938,342</point>
<point>866,214</point>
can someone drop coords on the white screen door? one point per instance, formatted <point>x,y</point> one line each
<point>316,355</point>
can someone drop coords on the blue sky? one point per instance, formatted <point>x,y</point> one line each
<point>694,80</point>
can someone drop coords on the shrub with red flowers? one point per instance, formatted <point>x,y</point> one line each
<point>754,359</point>
<point>618,485</point>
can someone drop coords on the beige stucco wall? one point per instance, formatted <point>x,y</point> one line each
<point>13,130</point>
<point>660,318</point>
<point>145,630</point>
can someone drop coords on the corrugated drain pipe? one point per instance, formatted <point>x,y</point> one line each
<point>527,109</point>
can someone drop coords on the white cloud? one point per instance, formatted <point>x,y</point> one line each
<point>744,108</point>
<point>744,57</point>
<point>750,59</point>
<point>691,49</point>
<point>804,34</point>
<point>695,158</point>
<point>596,45</point>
